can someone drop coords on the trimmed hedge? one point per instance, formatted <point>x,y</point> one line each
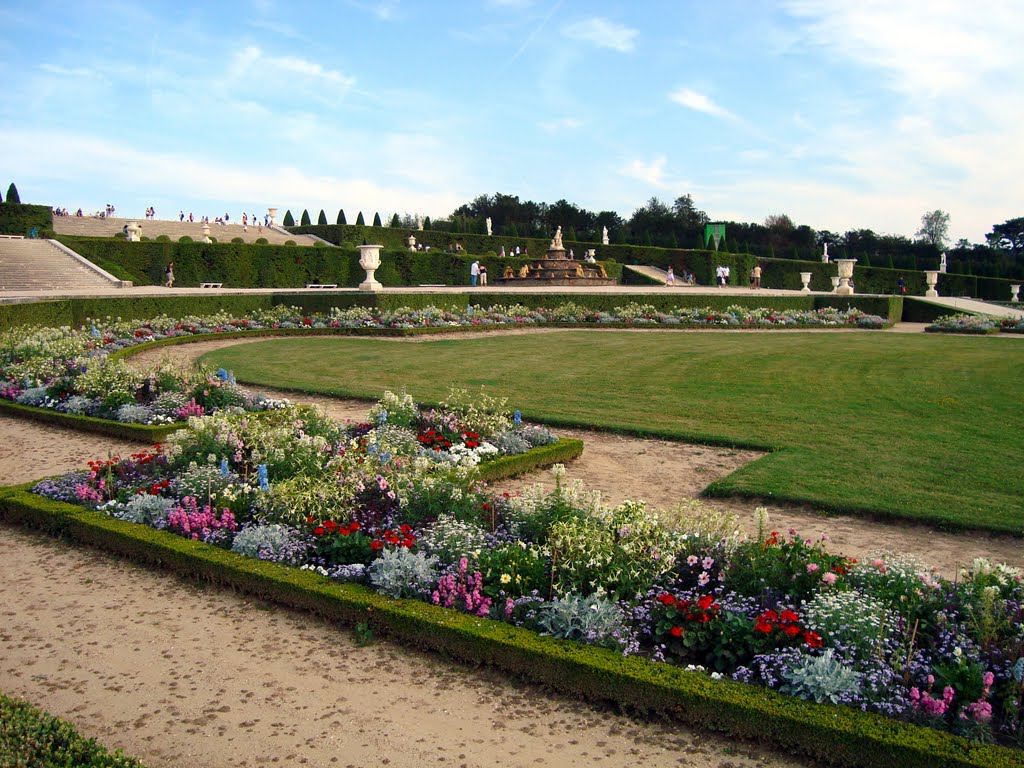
<point>142,432</point>
<point>566,449</point>
<point>836,735</point>
<point>20,218</point>
<point>777,273</point>
<point>31,737</point>
<point>74,312</point>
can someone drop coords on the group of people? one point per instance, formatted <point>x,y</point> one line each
<point>151,212</point>
<point>686,277</point>
<point>514,251</point>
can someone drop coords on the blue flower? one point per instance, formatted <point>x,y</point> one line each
<point>224,467</point>
<point>261,475</point>
<point>517,418</point>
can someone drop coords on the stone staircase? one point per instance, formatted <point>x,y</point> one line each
<point>43,265</point>
<point>88,226</point>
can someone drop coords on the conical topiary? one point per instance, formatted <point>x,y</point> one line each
<point>376,220</point>
<point>12,194</point>
<point>288,220</point>
<point>395,221</point>
<point>322,219</point>
<point>341,217</point>
<point>360,221</point>
<point>305,218</point>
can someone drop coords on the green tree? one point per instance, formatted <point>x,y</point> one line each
<point>934,228</point>
<point>426,222</point>
<point>646,241</point>
<point>360,221</point>
<point>12,194</point>
<point>395,221</point>
<point>288,220</point>
<point>341,217</point>
<point>322,218</point>
<point>304,221</point>
<point>376,220</point>
<point>1008,236</point>
<point>688,214</point>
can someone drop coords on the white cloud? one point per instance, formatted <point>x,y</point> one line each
<point>603,33</point>
<point>691,99</point>
<point>56,69</point>
<point>560,124</point>
<point>652,173</point>
<point>253,62</point>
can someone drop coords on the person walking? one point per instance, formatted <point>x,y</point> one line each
<point>670,277</point>
<point>901,286</point>
<point>483,275</point>
<point>474,272</point>
<point>169,274</point>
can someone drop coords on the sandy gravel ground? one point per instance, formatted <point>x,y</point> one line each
<point>181,675</point>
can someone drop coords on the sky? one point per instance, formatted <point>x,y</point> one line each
<point>842,114</point>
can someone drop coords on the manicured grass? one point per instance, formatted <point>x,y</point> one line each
<point>920,427</point>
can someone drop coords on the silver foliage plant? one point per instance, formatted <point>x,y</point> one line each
<point>400,573</point>
<point>592,619</point>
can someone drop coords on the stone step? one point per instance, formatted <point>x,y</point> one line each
<point>40,265</point>
<point>153,228</point>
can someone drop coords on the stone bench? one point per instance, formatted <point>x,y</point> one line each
<point>210,285</point>
<point>321,285</point>
<point>432,285</point>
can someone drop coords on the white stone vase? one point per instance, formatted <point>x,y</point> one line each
<point>369,259</point>
<point>845,275</point>
<point>931,276</point>
<point>272,212</point>
<point>206,233</point>
<point>1014,290</point>
<point>134,232</point>
<point>835,283</point>
<point>805,278</point>
<point>410,241</point>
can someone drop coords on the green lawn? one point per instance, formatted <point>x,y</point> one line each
<point>915,426</point>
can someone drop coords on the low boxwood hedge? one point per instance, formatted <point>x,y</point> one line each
<point>836,735</point>
<point>141,432</point>
<point>31,737</point>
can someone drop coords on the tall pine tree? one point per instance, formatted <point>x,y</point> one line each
<point>395,221</point>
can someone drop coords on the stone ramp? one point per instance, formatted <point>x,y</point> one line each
<point>974,306</point>
<point>659,275</point>
<point>46,265</point>
<point>90,226</point>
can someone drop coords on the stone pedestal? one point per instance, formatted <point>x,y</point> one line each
<point>206,233</point>
<point>272,212</point>
<point>931,276</point>
<point>134,232</point>
<point>805,278</point>
<point>369,259</point>
<point>1014,290</point>
<point>845,275</point>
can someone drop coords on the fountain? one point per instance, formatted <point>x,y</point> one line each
<point>556,269</point>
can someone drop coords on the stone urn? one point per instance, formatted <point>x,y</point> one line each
<point>272,212</point>
<point>411,242</point>
<point>134,232</point>
<point>805,278</point>
<point>931,276</point>
<point>845,275</point>
<point>206,233</point>
<point>835,283</point>
<point>1014,290</point>
<point>369,259</point>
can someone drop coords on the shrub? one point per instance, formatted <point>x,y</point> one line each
<point>821,678</point>
<point>237,240</point>
<point>133,413</point>
<point>274,542</point>
<point>185,239</point>
<point>145,509</point>
<point>399,410</point>
<point>262,241</point>
<point>594,620</point>
<point>305,221</point>
<point>288,220</point>
<point>400,573</point>
<point>163,239</point>
<point>289,242</point>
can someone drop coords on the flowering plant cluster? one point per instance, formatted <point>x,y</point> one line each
<point>970,324</point>
<point>369,503</point>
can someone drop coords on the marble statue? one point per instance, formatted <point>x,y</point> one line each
<point>488,223</point>
<point>604,235</point>
<point>556,244</point>
<point>824,256</point>
<point>942,263</point>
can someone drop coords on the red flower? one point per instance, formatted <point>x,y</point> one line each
<point>319,530</point>
<point>355,526</point>
<point>763,627</point>
<point>376,544</point>
<point>331,526</point>
<point>704,602</point>
<point>813,639</point>
<point>789,616</point>
<point>769,615</point>
<point>792,630</point>
<point>676,631</point>
<point>666,599</point>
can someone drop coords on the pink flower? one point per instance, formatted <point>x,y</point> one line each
<point>707,562</point>
<point>829,578</point>
<point>812,567</point>
<point>691,560</point>
<point>703,579</point>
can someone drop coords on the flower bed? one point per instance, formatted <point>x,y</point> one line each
<point>392,505</point>
<point>962,323</point>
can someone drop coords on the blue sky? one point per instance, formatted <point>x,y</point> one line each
<point>840,113</point>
